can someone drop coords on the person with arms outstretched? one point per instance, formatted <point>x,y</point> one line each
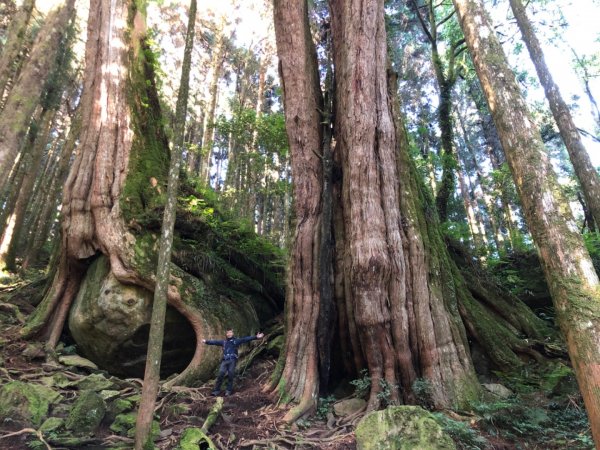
<point>230,354</point>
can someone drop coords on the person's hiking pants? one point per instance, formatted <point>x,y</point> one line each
<point>227,367</point>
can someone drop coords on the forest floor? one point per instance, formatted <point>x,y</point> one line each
<point>251,419</point>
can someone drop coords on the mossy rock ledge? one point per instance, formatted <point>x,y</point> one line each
<point>401,428</point>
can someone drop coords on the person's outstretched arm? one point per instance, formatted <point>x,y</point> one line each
<point>213,341</point>
<point>249,338</point>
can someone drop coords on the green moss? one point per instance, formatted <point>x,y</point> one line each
<point>401,428</point>
<point>192,438</point>
<point>87,413</point>
<point>124,425</point>
<point>26,402</point>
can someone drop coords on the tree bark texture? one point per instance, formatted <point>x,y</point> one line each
<point>584,169</point>
<point>302,100</point>
<point>567,266</point>
<point>25,95</point>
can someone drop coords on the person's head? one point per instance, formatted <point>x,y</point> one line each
<point>229,333</point>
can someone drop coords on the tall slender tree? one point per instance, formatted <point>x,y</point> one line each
<point>567,266</point>
<point>143,437</point>
<point>584,169</point>
<point>15,41</point>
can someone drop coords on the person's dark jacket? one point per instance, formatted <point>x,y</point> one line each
<point>230,345</point>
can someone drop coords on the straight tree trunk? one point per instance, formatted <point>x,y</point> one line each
<point>446,79</point>
<point>585,77</point>
<point>584,169</point>
<point>10,56</point>
<point>209,118</point>
<point>392,300</point>
<point>567,265</point>
<point>302,99</point>
<point>143,437</point>
<point>43,224</point>
<point>25,95</point>
<point>32,160</point>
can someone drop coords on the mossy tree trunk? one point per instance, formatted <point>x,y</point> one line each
<point>584,169</point>
<point>26,93</point>
<point>573,283</point>
<point>445,76</point>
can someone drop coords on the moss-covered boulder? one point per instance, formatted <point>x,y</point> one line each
<point>87,413</point>
<point>110,322</point>
<point>27,403</point>
<point>401,428</point>
<point>124,425</point>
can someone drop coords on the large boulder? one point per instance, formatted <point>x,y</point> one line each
<point>110,322</point>
<point>401,428</point>
<point>26,403</point>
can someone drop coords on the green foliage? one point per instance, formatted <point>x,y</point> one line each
<point>463,435</point>
<point>62,70</point>
<point>592,243</point>
<point>362,385</point>
<point>423,391</point>
<point>324,406</point>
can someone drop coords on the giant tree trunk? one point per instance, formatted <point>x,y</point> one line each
<point>387,298</point>
<point>302,100</point>
<point>116,182</point>
<point>584,169</point>
<point>25,95</point>
<point>567,266</point>
<point>400,300</point>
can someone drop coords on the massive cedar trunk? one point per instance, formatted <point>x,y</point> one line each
<point>567,266</point>
<point>388,293</point>
<point>302,100</point>
<point>25,95</point>
<point>391,256</point>
<point>584,169</point>
<point>401,303</point>
<point>118,174</point>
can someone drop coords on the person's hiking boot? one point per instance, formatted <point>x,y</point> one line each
<point>215,393</point>
<point>227,393</point>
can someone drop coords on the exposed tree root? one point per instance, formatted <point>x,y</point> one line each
<point>37,433</point>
